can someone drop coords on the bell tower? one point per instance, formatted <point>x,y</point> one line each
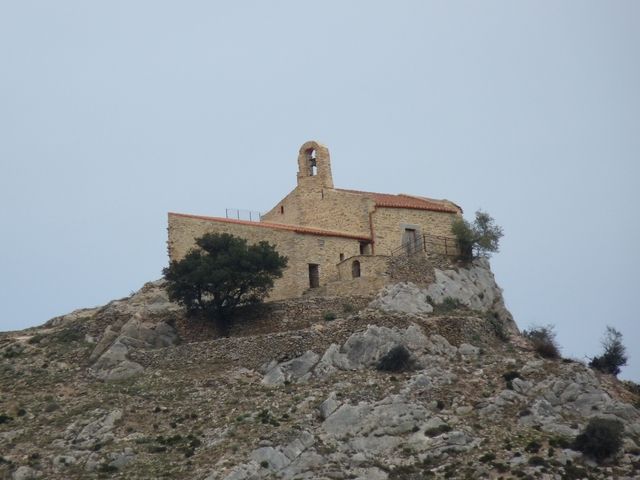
<point>314,166</point>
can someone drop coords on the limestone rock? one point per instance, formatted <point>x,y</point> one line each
<point>295,370</point>
<point>403,297</point>
<point>25,473</point>
<point>111,353</point>
<point>329,406</point>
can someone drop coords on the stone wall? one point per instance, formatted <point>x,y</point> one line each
<point>370,266</point>
<point>301,249</point>
<point>389,225</point>
<point>416,268</point>
<point>326,208</point>
<point>363,286</point>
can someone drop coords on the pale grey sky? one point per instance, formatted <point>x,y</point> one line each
<point>113,113</point>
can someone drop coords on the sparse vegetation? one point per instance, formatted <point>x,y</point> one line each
<point>222,273</point>
<point>543,340</point>
<point>447,305</point>
<point>398,359</point>
<point>487,457</point>
<point>533,447</point>
<point>498,327</point>
<point>478,239</point>
<point>614,355</point>
<point>600,439</point>
<point>329,316</point>
<point>348,308</point>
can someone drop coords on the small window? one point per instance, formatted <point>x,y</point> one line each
<point>365,248</point>
<point>341,256</point>
<point>282,209</point>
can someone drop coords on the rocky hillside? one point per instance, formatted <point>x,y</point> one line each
<point>134,390</point>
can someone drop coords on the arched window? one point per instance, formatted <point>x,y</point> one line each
<point>312,161</point>
<point>355,269</point>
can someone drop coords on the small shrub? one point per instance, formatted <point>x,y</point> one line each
<point>68,335</point>
<point>398,359</point>
<point>600,439</point>
<point>440,429</point>
<point>560,442</point>
<point>348,308</point>
<point>573,472</point>
<point>106,468</point>
<point>510,376</point>
<point>614,356</point>
<point>533,447</point>
<point>264,464</point>
<point>447,305</point>
<point>12,352</point>
<point>4,418</point>
<point>37,338</point>
<point>328,316</point>
<point>487,457</point>
<point>543,340</point>
<point>497,326</point>
<point>501,467</point>
<point>537,461</point>
<point>51,406</point>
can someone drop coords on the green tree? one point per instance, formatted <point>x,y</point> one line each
<point>478,239</point>
<point>222,273</point>
<point>614,356</point>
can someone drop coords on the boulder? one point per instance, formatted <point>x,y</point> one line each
<point>25,473</point>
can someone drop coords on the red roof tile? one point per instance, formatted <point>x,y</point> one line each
<point>277,226</point>
<point>402,200</point>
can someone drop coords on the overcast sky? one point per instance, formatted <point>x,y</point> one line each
<point>114,113</point>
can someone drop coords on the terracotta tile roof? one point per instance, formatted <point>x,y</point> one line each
<point>277,226</point>
<point>403,200</point>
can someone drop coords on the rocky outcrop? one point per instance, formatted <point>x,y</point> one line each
<point>404,297</point>
<point>473,286</point>
<point>144,327</point>
<point>361,350</point>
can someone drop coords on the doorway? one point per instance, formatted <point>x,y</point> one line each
<point>314,275</point>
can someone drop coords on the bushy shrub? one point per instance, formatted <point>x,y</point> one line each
<point>600,439</point>
<point>543,340</point>
<point>478,239</point>
<point>398,359</point>
<point>614,356</point>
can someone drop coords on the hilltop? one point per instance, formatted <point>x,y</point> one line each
<point>135,390</point>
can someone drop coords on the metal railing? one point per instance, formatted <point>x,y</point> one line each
<point>242,214</point>
<point>428,243</point>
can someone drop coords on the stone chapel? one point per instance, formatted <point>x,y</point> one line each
<point>338,241</point>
